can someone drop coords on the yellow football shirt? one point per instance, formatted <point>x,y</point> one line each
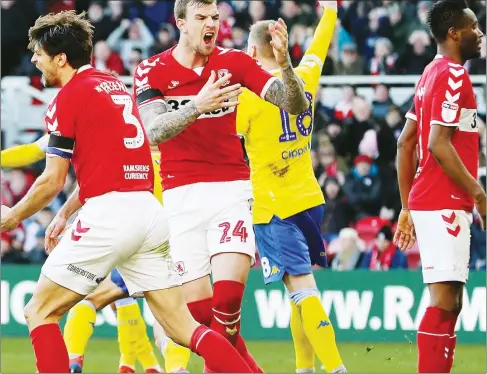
<point>157,176</point>
<point>278,144</point>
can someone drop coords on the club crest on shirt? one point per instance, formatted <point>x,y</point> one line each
<point>449,111</point>
<point>221,73</point>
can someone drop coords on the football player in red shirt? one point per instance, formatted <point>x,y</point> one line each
<point>120,223</point>
<point>187,98</point>
<point>439,196</point>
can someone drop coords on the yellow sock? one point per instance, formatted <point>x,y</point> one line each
<point>79,328</point>
<point>144,349</point>
<point>176,357</point>
<point>128,316</point>
<point>305,355</point>
<point>320,332</point>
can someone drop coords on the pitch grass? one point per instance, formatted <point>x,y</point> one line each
<point>102,357</point>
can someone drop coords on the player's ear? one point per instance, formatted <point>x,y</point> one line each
<point>181,25</point>
<point>61,59</point>
<point>454,34</point>
<point>252,51</point>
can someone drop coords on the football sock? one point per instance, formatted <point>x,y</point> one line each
<point>128,319</point>
<point>436,341</point>
<point>305,354</point>
<point>218,353</point>
<point>227,301</point>
<point>318,328</point>
<point>201,311</point>
<point>50,350</point>
<point>79,328</point>
<point>176,357</point>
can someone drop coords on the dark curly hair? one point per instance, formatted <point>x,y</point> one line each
<point>445,14</point>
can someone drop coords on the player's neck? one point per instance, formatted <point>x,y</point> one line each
<point>268,64</point>
<point>188,58</point>
<point>452,55</point>
<point>66,75</point>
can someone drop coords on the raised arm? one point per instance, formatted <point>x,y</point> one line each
<point>287,94</point>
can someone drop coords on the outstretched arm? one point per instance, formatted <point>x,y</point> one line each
<point>25,154</point>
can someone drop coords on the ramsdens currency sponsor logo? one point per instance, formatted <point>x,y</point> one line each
<point>136,171</point>
<point>295,153</point>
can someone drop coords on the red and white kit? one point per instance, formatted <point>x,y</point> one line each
<point>206,179</point>
<point>94,122</point>
<point>441,210</point>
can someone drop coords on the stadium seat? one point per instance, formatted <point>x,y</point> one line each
<point>368,228</point>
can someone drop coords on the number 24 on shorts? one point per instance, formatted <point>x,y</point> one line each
<point>239,231</point>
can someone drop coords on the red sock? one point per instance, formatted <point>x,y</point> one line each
<point>451,353</point>
<point>227,301</point>
<point>434,340</point>
<point>50,350</point>
<point>201,311</point>
<point>217,352</point>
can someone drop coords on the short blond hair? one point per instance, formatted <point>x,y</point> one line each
<point>181,6</point>
<point>261,37</point>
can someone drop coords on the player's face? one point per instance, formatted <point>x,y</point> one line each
<point>48,67</point>
<point>470,37</point>
<point>201,27</point>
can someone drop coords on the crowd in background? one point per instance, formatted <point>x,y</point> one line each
<point>354,142</point>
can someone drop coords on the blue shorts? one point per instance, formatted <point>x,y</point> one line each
<point>291,245</point>
<point>117,279</point>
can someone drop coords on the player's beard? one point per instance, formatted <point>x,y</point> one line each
<point>48,80</point>
<point>470,47</point>
<point>204,50</point>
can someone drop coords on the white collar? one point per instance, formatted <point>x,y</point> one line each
<point>83,68</point>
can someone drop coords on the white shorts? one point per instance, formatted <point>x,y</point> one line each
<point>206,219</point>
<point>444,244</point>
<point>126,230</point>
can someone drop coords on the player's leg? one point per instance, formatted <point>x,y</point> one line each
<point>444,245</point>
<point>231,243</point>
<point>81,320</point>
<point>289,247</point>
<point>176,357</point>
<point>160,284</point>
<point>43,312</point>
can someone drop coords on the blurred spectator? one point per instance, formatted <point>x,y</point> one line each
<point>328,164</point>
<point>38,255</point>
<point>135,60</point>
<point>383,60</point>
<point>130,35</point>
<point>384,255</point>
<point>165,39</point>
<point>350,63</point>
<point>420,22</point>
<point>104,24</point>
<point>239,38</point>
<point>226,23</point>
<point>153,12</point>
<point>394,120</point>
<point>350,251</point>
<point>382,101</point>
<point>105,59</point>
<point>362,188</point>
<point>343,107</point>
<point>477,246</point>
<point>338,213</point>
<point>400,26</point>
<point>16,18</point>
<point>292,12</point>
<point>418,54</point>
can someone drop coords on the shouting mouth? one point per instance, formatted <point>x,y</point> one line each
<point>208,38</point>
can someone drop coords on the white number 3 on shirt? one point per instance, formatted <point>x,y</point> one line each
<point>130,119</point>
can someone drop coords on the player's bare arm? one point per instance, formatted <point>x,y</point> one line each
<point>406,162</point>
<point>163,124</point>
<point>442,149</point>
<point>44,189</point>
<point>288,94</point>
<point>58,224</point>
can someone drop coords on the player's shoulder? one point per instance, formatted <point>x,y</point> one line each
<point>152,64</point>
<point>232,55</point>
<point>442,67</point>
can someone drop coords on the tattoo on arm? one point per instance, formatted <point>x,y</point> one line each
<point>162,125</point>
<point>288,94</point>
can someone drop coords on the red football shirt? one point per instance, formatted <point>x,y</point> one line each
<point>208,150</point>
<point>94,121</point>
<point>444,97</point>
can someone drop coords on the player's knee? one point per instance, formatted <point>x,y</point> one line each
<point>300,295</point>
<point>37,313</point>
<point>299,282</point>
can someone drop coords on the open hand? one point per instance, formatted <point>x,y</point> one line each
<point>212,96</point>
<point>280,43</point>
<point>405,236</point>
<point>53,231</point>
